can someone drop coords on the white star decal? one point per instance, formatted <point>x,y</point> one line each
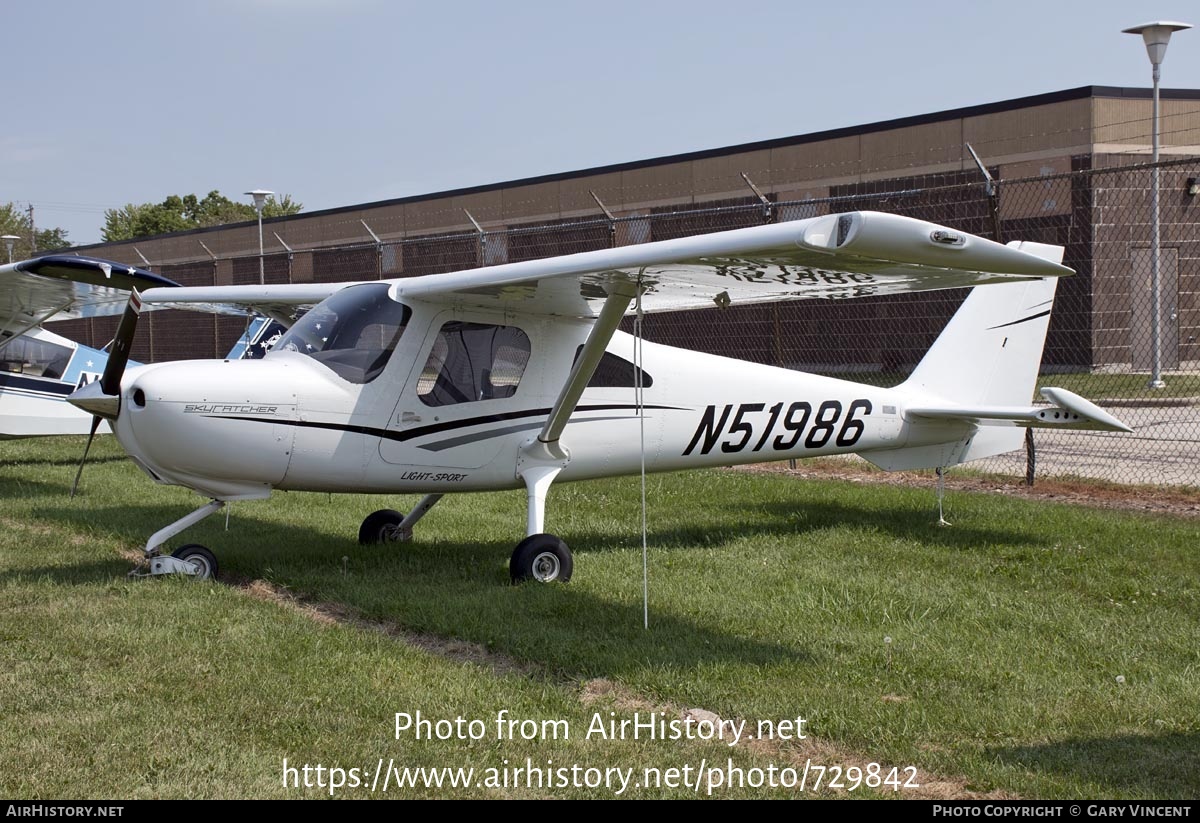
<point>318,327</point>
<point>90,364</point>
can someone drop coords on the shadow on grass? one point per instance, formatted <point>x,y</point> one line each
<point>906,523</point>
<point>782,519</point>
<point>93,460</point>
<point>14,488</point>
<point>72,574</point>
<point>451,589</point>
<point>1166,766</point>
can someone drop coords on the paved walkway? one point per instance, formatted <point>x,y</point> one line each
<point>1163,450</point>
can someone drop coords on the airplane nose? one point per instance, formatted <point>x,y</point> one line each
<point>92,399</point>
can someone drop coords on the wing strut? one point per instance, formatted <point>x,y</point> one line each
<point>541,458</point>
<point>39,321</point>
<point>615,305</point>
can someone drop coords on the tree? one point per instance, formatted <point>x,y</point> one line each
<point>188,212</point>
<point>15,220</point>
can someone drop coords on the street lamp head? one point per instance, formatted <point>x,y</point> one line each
<point>1156,36</point>
<point>9,240</point>
<point>260,196</point>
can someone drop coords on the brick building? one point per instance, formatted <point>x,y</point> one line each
<point>1071,165</point>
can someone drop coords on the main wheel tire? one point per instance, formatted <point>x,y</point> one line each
<point>541,557</point>
<point>381,527</point>
<point>201,558</point>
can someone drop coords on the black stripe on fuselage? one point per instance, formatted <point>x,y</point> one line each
<point>48,385</point>
<point>1022,320</point>
<point>436,428</point>
<point>488,434</point>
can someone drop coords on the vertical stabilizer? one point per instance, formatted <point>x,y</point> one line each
<point>991,350</point>
<point>988,355</point>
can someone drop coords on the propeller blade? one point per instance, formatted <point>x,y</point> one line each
<point>118,356</point>
<point>79,473</point>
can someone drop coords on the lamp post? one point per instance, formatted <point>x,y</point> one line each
<point>260,197</point>
<point>9,239</point>
<point>1156,37</point>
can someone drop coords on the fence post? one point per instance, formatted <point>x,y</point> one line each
<point>1030,457</point>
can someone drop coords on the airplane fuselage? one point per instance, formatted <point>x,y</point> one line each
<point>237,429</point>
<point>38,371</point>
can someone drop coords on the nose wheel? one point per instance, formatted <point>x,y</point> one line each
<point>391,526</point>
<point>199,558</point>
<point>383,526</point>
<point>192,560</point>
<point>541,557</point>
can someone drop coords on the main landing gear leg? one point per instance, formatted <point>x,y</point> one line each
<point>192,560</point>
<point>541,557</point>
<point>390,526</point>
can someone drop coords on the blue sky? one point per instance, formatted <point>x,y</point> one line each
<point>356,100</point>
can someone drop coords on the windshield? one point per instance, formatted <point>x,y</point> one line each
<point>353,332</point>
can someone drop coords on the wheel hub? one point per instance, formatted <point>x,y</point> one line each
<point>545,567</point>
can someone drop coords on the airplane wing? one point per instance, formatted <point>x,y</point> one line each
<point>67,287</point>
<point>281,303</point>
<point>857,254</point>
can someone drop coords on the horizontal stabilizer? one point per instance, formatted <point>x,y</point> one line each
<point>1073,403</point>
<point>1070,411</point>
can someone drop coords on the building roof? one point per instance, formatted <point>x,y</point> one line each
<point>1049,98</point>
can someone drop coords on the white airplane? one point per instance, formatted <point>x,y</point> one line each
<point>39,368</point>
<point>516,376</point>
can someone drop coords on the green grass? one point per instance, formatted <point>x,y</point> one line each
<point>1122,386</point>
<point>769,598</point>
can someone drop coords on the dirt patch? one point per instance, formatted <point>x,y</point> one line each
<point>794,753</point>
<point>460,651</point>
<point>601,691</point>
<point>1169,500</point>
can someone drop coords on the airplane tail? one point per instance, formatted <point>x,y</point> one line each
<point>981,372</point>
<point>990,351</point>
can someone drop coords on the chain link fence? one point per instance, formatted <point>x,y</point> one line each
<point>1101,342</point>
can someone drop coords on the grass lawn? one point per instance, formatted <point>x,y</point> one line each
<point>1032,649</point>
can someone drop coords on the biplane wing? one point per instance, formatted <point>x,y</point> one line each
<point>66,287</point>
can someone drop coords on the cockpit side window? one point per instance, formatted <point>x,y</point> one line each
<point>353,332</point>
<point>615,372</point>
<point>471,362</point>
<point>40,358</point>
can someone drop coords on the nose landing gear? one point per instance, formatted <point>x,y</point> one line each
<point>192,560</point>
